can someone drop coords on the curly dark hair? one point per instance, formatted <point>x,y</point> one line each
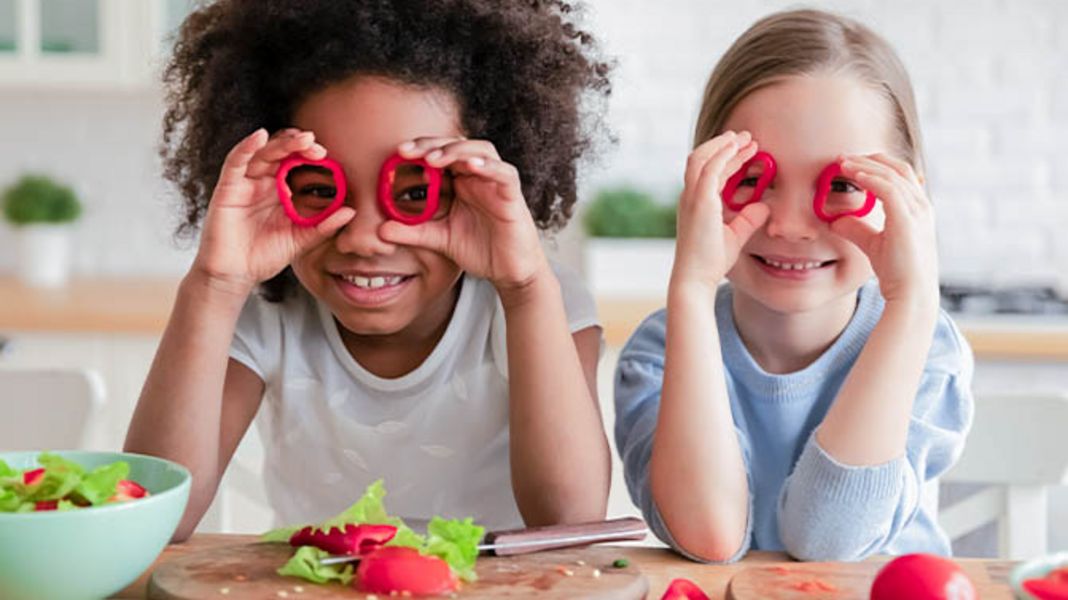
<point>521,71</point>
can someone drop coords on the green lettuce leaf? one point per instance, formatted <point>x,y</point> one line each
<point>305,564</point>
<point>102,482</point>
<point>453,540</point>
<point>456,542</point>
<point>60,478</point>
<point>9,500</point>
<point>6,472</point>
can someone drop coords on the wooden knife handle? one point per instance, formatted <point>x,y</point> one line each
<point>536,539</point>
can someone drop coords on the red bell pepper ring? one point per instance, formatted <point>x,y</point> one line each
<point>399,569</point>
<point>46,505</point>
<point>353,540</point>
<point>683,589</point>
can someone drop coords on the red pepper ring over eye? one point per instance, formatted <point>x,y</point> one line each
<point>837,210</point>
<point>409,189</point>
<point>310,207</point>
<point>763,181</point>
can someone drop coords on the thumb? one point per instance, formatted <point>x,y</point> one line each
<point>861,234</point>
<point>748,221</point>
<point>309,236</point>
<point>432,235</point>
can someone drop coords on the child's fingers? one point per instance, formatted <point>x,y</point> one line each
<point>711,179</point>
<point>902,167</point>
<point>701,154</point>
<point>748,221</point>
<point>882,181</point>
<point>444,156</point>
<point>432,235</point>
<point>744,154</point>
<point>857,231</point>
<point>420,147</point>
<point>236,164</point>
<point>265,163</point>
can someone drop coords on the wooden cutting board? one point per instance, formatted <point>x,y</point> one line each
<point>796,581</point>
<point>248,571</point>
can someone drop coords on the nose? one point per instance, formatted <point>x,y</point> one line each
<point>360,235</point>
<point>792,217</point>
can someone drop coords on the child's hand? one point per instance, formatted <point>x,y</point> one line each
<point>904,255</point>
<point>489,231</point>
<point>706,248</point>
<point>247,238</point>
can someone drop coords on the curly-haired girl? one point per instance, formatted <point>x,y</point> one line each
<point>448,357</point>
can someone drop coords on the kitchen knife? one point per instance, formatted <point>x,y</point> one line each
<point>551,537</point>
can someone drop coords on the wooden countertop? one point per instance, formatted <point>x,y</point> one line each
<point>659,565</point>
<point>1011,338</point>
<point>142,306</point>
<point>121,305</point>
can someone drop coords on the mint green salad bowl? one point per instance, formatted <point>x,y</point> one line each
<point>90,552</point>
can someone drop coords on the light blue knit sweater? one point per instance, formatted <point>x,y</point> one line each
<point>801,499</point>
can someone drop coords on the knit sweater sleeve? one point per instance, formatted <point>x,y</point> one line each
<point>831,511</point>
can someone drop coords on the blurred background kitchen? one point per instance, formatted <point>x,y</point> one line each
<point>80,111</point>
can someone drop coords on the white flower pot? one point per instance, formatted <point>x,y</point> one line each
<point>44,254</point>
<point>629,268</point>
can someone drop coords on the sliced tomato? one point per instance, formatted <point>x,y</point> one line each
<point>397,569</point>
<point>352,540</point>
<point>46,505</point>
<point>922,577</point>
<point>683,589</point>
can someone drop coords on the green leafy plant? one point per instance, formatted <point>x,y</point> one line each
<point>627,212</point>
<point>39,199</point>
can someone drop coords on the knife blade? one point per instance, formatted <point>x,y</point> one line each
<point>550,537</point>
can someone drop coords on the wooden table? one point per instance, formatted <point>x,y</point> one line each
<point>659,565</point>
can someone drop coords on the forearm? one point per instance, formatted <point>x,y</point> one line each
<point>868,422</point>
<point>559,453</point>
<point>697,472</point>
<point>179,413</point>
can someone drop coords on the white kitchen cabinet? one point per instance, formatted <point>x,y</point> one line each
<point>96,44</point>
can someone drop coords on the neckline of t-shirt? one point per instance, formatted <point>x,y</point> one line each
<point>790,385</point>
<point>457,322</point>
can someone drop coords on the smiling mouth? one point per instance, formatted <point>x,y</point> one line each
<point>376,282</point>
<point>801,265</point>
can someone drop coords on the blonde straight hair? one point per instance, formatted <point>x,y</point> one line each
<point>808,42</point>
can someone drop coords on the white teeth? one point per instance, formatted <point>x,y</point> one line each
<point>372,283</point>
<point>792,266</point>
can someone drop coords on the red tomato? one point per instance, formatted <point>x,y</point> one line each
<point>922,577</point>
<point>46,505</point>
<point>33,477</point>
<point>399,569</point>
<point>683,589</point>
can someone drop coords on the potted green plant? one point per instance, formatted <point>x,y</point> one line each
<point>42,211</point>
<point>630,243</point>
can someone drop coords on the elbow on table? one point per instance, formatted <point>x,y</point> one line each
<point>823,546</point>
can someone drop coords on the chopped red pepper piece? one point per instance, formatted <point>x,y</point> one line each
<point>683,589</point>
<point>46,505</point>
<point>399,569</point>
<point>128,490</point>
<point>353,540</point>
<point>33,477</point>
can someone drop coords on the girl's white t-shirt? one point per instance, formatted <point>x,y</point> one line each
<point>438,435</point>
